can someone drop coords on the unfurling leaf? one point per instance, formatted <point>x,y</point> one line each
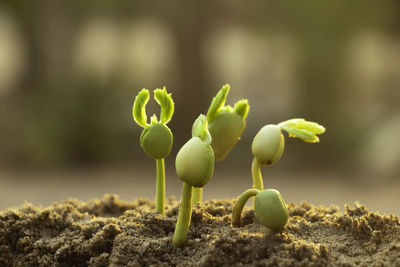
<point>167,104</point>
<point>200,129</point>
<point>305,130</point>
<point>218,102</point>
<point>139,108</point>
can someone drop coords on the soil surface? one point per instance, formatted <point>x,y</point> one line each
<point>112,232</point>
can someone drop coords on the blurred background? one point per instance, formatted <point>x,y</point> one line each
<point>69,72</point>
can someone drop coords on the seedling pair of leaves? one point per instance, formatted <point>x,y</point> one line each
<point>267,148</point>
<point>224,123</point>
<point>156,138</point>
<point>213,137</point>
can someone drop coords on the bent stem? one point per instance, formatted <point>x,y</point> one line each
<point>257,177</point>
<point>197,195</point>
<point>160,186</point>
<point>238,207</point>
<point>185,213</point>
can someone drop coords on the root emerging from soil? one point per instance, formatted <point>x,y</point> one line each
<point>111,232</point>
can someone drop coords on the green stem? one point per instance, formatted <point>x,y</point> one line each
<point>185,213</point>
<point>197,195</point>
<point>160,186</point>
<point>257,177</point>
<point>238,207</point>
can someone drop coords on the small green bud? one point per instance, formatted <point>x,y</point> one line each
<point>200,129</point>
<point>194,162</point>
<point>271,209</point>
<point>268,145</point>
<point>225,130</point>
<point>156,140</point>
<point>242,108</point>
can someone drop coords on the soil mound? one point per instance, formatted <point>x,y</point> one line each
<point>112,232</point>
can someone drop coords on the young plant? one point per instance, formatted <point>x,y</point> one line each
<point>225,124</point>
<point>269,143</point>
<point>194,166</point>
<point>156,138</point>
<point>269,206</point>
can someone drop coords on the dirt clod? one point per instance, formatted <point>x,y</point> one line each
<point>112,232</point>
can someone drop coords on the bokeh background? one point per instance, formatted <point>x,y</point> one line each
<point>69,71</point>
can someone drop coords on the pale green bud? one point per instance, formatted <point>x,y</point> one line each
<point>225,129</point>
<point>156,140</point>
<point>268,145</point>
<point>194,162</point>
<point>271,209</point>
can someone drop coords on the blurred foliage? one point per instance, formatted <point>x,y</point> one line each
<point>83,62</point>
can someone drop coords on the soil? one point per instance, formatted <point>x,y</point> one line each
<point>112,232</point>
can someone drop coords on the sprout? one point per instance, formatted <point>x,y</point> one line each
<point>156,138</point>
<point>269,206</point>
<point>269,143</point>
<point>194,166</point>
<point>226,125</point>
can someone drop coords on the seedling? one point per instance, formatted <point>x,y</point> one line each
<point>267,147</point>
<point>269,206</point>
<point>226,125</point>
<point>269,143</point>
<point>194,166</point>
<point>156,138</point>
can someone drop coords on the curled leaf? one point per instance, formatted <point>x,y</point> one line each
<point>139,108</point>
<point>166,103</point>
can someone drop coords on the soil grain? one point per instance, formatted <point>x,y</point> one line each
<point>112,232</point>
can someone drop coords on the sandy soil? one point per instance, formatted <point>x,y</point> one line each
<point>111,232</point>
<point>42,188</point>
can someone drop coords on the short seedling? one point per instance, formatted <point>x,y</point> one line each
<point>226,125</point>
<point>194,166</point>
<point>267,147</point>
<point>269,206</point>
<point>269,143</point>
<point>156,138</point>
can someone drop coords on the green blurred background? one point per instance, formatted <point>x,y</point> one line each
<point>69,71</point>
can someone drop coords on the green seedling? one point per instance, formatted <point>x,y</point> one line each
<point>156,138</point>
<point>225,124</point>
<point>269,206</point>
<point>269,143</point>
<point>194,166</point>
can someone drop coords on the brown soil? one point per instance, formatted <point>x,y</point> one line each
<point>111,232</point>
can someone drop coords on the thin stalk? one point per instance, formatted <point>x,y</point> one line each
<point>197,195</point>
<point>185,213</point>
<point>160,186</point>
<point>238,207</point>
<point>257,177</point>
